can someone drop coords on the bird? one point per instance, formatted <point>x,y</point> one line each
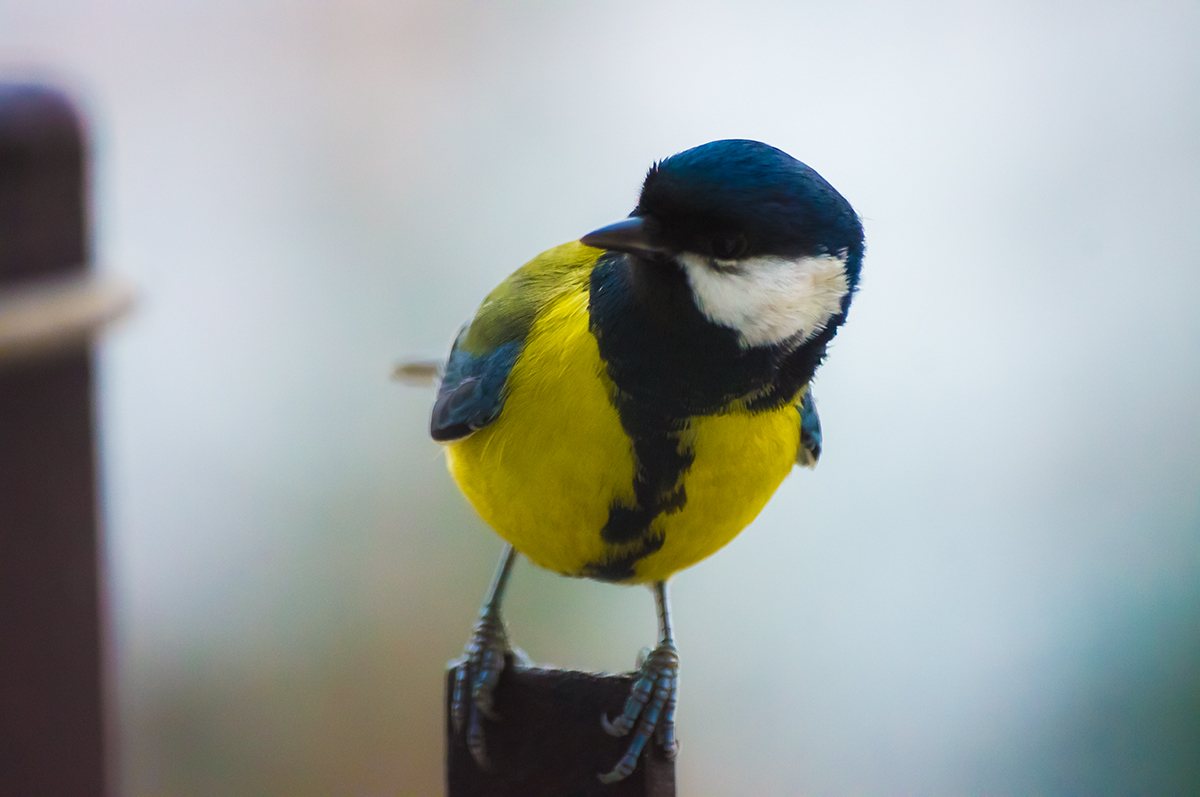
<point>625,404</point>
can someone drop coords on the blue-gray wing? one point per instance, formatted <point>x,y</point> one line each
<point>810,431</point>
<point>472,392</point>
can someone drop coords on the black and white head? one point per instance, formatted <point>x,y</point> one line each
<point>767,246</point>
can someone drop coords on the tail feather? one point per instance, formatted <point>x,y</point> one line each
<point>420,373</point>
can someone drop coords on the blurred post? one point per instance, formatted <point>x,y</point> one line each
<point>51,718</point>
<point>549,742</point>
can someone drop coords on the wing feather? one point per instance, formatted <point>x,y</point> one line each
<point>810,431</point>
<point>473,388</point>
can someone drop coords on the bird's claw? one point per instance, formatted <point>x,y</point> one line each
<point>652,701</point>
<point>475,678</point>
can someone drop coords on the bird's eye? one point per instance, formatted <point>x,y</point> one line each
<point>728,247</point>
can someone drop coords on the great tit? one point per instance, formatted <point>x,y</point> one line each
<point>623,405</point>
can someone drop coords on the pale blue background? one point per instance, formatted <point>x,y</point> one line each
<point>990,585</point>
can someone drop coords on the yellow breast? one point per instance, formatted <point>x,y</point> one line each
<point>545,473</point>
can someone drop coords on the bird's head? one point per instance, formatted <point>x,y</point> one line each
<point>767,246</point>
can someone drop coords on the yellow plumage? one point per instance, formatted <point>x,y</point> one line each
<point>545,473</point>
<point>622,407</point>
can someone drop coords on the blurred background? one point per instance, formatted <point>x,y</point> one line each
<point>990,585</point>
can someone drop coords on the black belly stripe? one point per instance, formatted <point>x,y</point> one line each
<point>662,459</point>
<point>661,462</point>
<point>620,567</point>
<point>665,363</point>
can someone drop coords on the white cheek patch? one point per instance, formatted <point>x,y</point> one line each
<point>768,299</point>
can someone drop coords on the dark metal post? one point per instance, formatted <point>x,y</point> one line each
<point>549,742</point>
<point>51,718</point>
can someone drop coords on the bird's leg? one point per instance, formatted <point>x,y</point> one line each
<point>652,697</point>
<point>478,671</point>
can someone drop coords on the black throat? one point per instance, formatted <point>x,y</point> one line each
<point>667,363</point>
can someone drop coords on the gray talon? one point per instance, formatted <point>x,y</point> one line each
<point>478,671</point>
<point>475,741</point>
<point>651,703</point>
<point>458,703</point>
<point>475,678</point>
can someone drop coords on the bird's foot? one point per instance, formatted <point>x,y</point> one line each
<point>652,699</point>
<point>475,678</point>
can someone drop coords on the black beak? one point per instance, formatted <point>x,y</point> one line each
<point>636,235</point>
